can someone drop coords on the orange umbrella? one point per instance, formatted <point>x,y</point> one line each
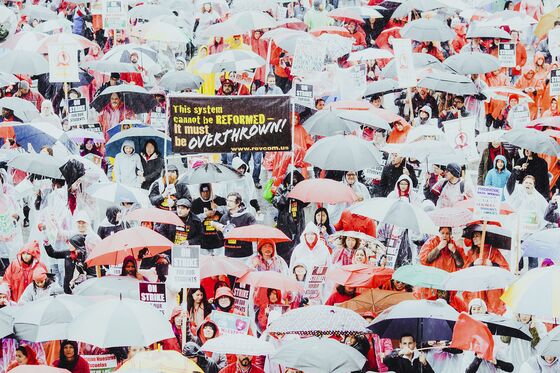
<point>333,30</point>
<point>271,280</point>
<point>376,300</point>
<point>211,265</point>
<point>256,232</point>
<point>360,275</point>
<point>113,249</point>
<point>156,216</point>
<point>323,191</point>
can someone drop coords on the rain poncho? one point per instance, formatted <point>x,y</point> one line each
<point>310,254</point>
<point>275,263</point>
<point>10,229</point>
<point>536,364</point>
<point>20,274</point>
<point>495,178</point>
<point>127,166</point>
<point>244,186</point>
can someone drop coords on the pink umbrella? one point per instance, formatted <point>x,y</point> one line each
<point>256,232</point>
<point>322,191</point>
<point>38,369</point>
<point>451,216</point>
<point>155,216</point>
<point>77,41</point>
<point>211,265</point>
<point>113,249</point>
<point>271,280</point>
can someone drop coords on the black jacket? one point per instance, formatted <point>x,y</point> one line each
<point>152,170</point>
<point>399,364</point>
<point>192,231</point>
<point>234,248</point>
<point>211,238</point>
<point>418,102</point>
<point>391,174</point>
<point>501,365</point>
<point>110,224</point>
<point>156,198</point>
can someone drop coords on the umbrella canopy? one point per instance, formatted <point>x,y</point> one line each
<point>319,320</point>
<point>24,40</point>
<point>162,32</point>
<point>472,63</point>
<point>117,193</point>
<point>425,29</point>
<point>377,118</point>
<point>542,244</point>
<point>149,11</point>
<point>134,97</point>
<point>230,60</point>
<point>359,275</point>
<point>397,212</point>
<point>252,20</point>
<point>451,217</point>
<point>327,123</point>
<point>38,369</point>
<point>346,15</point>
<point>479,278</point>
<point>177,81</point>
<point>6,324</point>
<point>286,39</point>
<point>114,248</point>
<point>256,232</point>
<point>535,293</point>
<point>37,163</point>
<point>78,135</point>
<point>38,12</point>
<point>424,133</point>
<point>515,20</point>
<point>108,67</point>
<point>139,135</point>
<point>155,215</point>
<point>238,344</point>
<point>490,136</point>
<point>343,153</point>
<point>118,286</point>
<point>73,40</point>
<point>549,345</point>
<point>532,139</point>
<point>425,320</point>
<point>487,32</point>
<point>120,322</point>
<point>23,109</point>
<point>505,209</point>
<point>421,276</point>
<point>271,280</point>
<point>408,6</point>
<point>502,93</point>
<point>160,361</point>
<point>316,355</point>
<point>23,62</point>
<point>59,24</point>
<point>497,237</point>
<point>546,22</point>
<point>211,265</point>
<point>420,60</point>
<point>212,173</point>
<point>370,54</point>
<point>381,87</point>
<point>38,135</point>
<point>7,79</point>
<point>322,191</point>
<point>450,83</point>
<point>499,325</point>
<point>147,57</point>
<point>376,300</point>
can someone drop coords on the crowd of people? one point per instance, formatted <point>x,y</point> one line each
<point>50,226</point>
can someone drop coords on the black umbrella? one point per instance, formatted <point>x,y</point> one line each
<point>499,325</point>
<point>211,173</point>
<point>72,171</point>
<point>134,97</point>
<point>495,236</point>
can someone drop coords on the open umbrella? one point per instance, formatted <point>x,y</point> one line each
<point>490,136</point>
<point>23,109</point>
<point>286,39</point>
<point>359,275</point>
<point>134,97</point>
<point>319,320</point>
<point>322,191</point>
<point>6,323</point>
<point>406,7</point>
<point>37,163</point>
<point>163,361</point>
<point>23,62</point>
<point>487,32</point>
<point>343,153</point>
<point>120,322</point>
<point>139,136</point>
<point>426,320</point>
<point>376,300</point>
<point>114,248</point>
<point>420,61</point>
<point>421,276</point>
<point>256,232</point>
<point>381,87</point>
<point>376,118</point>
<point>499,325</point>
<point>38,369</point>
<point>78,135</point>
<point>532,139</point>
<point>424,133</point>
<point>238,344</point>
<point>542,244</point>
<point>447,82</point>
<point>58,24</point>
<point>24,40</point>
<point>117,193</point>
<point>345,15</point>
<point>327,123</point>
<point>397,212</point>
<point>514,19</point>
<point>472,63</point>
<point>73,40</point>
<point>177,81</point>
<point>38,12</point>
<point>549,345</point>
<point>212,173</point>
<point>497,237</point>
<point>271,280</point>
<point>425,29</point>
<point>118,286</point>
<point>7,79</point>
<point>479,278</point>
<point>468,204</point>
<point>155,215</point>
<point>546,22</point>
<point>230,60</point>
<point>319,355</point>
<point>147,57</point>
<point>370,54</point>
<point>162,32</point>
<point>211,265</point>
<point>108,67</point>
<point>149,11</point>
<point>39,134</point>
<point>451,217</point>
<point>252,20</point>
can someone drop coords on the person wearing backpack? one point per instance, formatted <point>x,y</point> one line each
<point>452,189</point>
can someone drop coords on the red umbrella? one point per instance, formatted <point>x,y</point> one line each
<point>468,204</point>
<point>271,280</point>
<point>323,191</point>
<point>113,249</point>
<point>156,216</point>
<point>211,265</point>
<point>360,275</point>
<point>256,232</point>
<point>451,216</point>
<point>334,30</point>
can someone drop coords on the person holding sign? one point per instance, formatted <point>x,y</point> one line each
<point>531,86</point>
<point>499,175</point>
<point>190,233</point>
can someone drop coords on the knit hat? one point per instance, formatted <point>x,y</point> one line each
<point>454,169</point>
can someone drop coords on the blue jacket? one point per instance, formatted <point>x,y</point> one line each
<point>497,179</point>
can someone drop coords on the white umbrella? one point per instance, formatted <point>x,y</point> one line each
<point>337,45</point>
<point>477,31</point>
<point>370,54</point>
<point>73,40</point>
<point>54,24</point>
<point>238,344</point>
<point>230,60</point>
<point>318,355</point>
<point>220,29</point>
<point>6,323</point>
<point>549,345</point>
<point>7,79</point>
<point>448,82</point>
<point>424,29</point>
<point>366,117</point>
<point>422,149</point>
<point>252,20</point>
<point>515,20</point>
<point>532,139</point>
<point>343,153</point>
<point>38,12</point>
<point>180,80</point>
<point>472,63</point>
<point>23,62</point>
<point>502,93</point>
<point>479,278</point>
<point>120,322</point>
<point>117,193</point>
<point>490,136</point>
<point>420,61</point>
<point>8,19</point>
<point>108,66</point>
<point>396,212</point>
<point>147,57</point>
<point>24,40</point>
<point>381,87</point>
<point>23,109</point>
<point>37,163</point>
<point>124,286</point>
<point>408,6</point>
<point>287,39</point>
<point>327,123</point>
<point>78,135</point>
<point>149,11</point>
<point>164,33</point>
<point>421,132</point>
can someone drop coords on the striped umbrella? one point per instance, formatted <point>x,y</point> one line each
<point>451,217</point>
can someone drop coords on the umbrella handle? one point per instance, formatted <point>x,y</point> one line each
<point>482,239</point>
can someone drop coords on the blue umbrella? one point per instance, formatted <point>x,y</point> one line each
<point>542,244</point>
<point>39,134</point>
<point>118,128</point>
<point>139,136</point>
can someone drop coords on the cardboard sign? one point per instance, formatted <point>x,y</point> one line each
<point>487,201</point>
<point>77,111</point>
<point>243,77</point>
<point>158,118</point>
<point>221,124</point>
<point>304,95</point>
<point>317,279</point>
<point>101,363</point>
<point>555,82</point>
<point>63,63</point>
<point>460,134</point>
<point>154,294</point>
<point>519,116</point>
<point>185,261</point>
<point>404,63</point>
<point>309,57</point>
<point>115,14</point>
<point>506,54</point>
<point>229,323</point>
<point>241,294</point>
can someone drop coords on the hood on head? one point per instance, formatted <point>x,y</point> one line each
<point>297,177</point>
<point>428,110</point>
<point>403,177</point>
<point>478,302</point>
<point>128,259</point>
<point>111,214</point>
<point>172,168</point>
<point>31,248</point>
<point>82,216</point>
<point>238,162</point>
<point>78,241</point>
<point>502,158</point>
<point>527,69</point>
<point>200,334</point>
<point>128,143</point>
<point>538,55</point>
<point>310,228</point>
<point>265,241</point>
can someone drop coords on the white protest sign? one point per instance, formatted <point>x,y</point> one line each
<point>519,116</point>
<point>487,202</point>
<point>309,57</point>
<point>242,77</point>
<point>506,54</point>
<point>315,283</point>
<point>304,95</point>
<point>115,14</point>
<point>352,82</point>
<point>185,261</point>
<point>77,111</point>
<point>406,73</point>
<point>460,134</point>
<point>154,294</point>
<point>555,82</point>
<point>158,118</point>
<point>229,323</point>
<point>241,294</point>
<point>554,42</point>
<point>101,363</point>
<point>63,63</point>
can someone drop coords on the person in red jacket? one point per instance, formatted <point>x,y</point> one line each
<point>358,35</point>
<point>242,365</point>
<point>69,358</point>
<point>357,223</point>
<point>340,295</point>
<point>520,56</point>
<point>19,273</point>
